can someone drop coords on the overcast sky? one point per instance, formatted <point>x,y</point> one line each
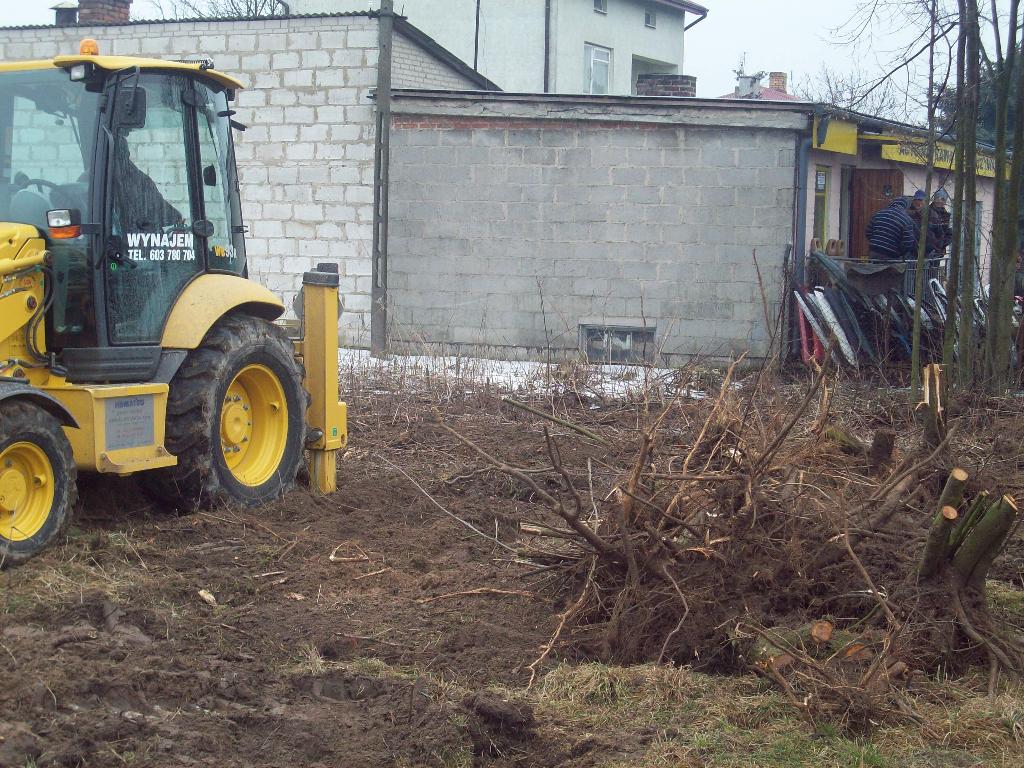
<point>796,38</point>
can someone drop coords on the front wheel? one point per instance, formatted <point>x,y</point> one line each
<point>236,417</point>
<point>37,481</point>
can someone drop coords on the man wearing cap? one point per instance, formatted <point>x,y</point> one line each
<point>891,233</point>
<point>916,208</point>
<point>938,222</point>
<point>939,233</point>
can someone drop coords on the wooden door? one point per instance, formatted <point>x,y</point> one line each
<point>872,190</point>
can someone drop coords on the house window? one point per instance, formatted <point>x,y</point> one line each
<point>597,69</point>
<point>617,344</point>
<point>650,18</point>
<point>601,6</point>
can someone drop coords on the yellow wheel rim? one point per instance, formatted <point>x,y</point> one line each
<point>27,491</point>
<point>254,425</point>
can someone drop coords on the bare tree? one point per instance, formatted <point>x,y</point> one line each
<point>996,359</point>
<point>852,90</point>
<point>978,37</point>
<point>220,9</point>
<point>933,104</point>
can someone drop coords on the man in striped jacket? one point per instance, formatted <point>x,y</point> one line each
<point>892,233</point>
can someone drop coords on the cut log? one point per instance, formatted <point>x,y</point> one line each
<point>770,650</point>
<point>934,410</point>
<point>967,521</point>
<point>937,548</point>
<point>975,556</point>
<point>821,631</point>
<point>1007,515</point>
<point>953,491</point>
<point>938,541</point>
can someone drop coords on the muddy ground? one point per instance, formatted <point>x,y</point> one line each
<point>326,633</point>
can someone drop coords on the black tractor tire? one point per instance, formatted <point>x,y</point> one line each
<point>22,422</point>
<point>202,478</point>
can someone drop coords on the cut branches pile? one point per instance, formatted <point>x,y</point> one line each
<point>749,533</point>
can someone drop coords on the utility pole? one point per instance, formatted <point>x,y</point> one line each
<point>476,39</point>
<point>381,172</point>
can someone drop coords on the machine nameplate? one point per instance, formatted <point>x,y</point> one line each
<point>129,422</point>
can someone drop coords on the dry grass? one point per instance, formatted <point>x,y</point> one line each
<point>700,720</point>
<point>645,716</point>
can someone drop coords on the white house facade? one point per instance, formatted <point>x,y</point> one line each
<point>551,46</point>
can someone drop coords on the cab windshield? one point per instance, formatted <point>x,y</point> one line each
<point>47,124</point>
<point>47,136</point>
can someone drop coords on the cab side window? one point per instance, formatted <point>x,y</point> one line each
<point>153,247</point>
<point>225,246</point>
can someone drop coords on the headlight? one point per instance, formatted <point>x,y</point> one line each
<point>78,72</point>
<point>60,218</point>
<point>64,224</point>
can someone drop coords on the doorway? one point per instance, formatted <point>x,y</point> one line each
<point>872,190</point>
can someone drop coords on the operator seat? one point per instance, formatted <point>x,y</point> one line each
<point>29,207</point>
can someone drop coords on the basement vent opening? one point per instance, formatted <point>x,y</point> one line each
<point>617,344</point>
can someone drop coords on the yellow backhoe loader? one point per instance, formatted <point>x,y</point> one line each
<point>131,339</point>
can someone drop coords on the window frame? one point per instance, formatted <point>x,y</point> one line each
<point>822,202</point>
<point>642,344</point>
<point>601,6</point>
<point>589,49</point>
<point>228,169</point>
<point>650,18</point>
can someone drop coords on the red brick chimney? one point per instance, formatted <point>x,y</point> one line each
<point>777,81</point>
<point>103,11</point>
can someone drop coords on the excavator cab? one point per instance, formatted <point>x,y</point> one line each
<point>130,175</point>
<point>131,339</point>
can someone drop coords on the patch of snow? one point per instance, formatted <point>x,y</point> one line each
<point>526,377</point>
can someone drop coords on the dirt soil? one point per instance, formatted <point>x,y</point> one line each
<point>304,633</point>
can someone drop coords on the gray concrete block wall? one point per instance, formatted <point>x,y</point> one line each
<point>507,235</point>
<point>412,67</point>
<point>306,161</point>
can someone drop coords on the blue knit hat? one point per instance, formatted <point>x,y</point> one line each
<point>919,195</point>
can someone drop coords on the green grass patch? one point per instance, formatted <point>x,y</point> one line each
<point>663,716</point>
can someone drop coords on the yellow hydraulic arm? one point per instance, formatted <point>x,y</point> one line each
<point>327,416</point>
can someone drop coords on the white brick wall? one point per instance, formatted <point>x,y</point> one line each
<point>514,223</point>
<point>412,67</point>
<point>306,161</point>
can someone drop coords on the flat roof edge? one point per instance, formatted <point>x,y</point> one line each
<point>636,101</point>
<point>196,20</point>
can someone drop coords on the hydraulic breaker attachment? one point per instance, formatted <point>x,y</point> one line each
<point>327,416</point>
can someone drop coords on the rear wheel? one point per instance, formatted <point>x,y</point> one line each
<point>236,417</point>
<point>37,481</point>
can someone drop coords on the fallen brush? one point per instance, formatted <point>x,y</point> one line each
<point>760,543</point>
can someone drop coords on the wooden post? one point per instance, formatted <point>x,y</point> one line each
<point>932,403</point>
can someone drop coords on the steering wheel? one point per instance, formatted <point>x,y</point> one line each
<point>39,183</point>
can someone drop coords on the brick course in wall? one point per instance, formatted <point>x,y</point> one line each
<point>412,67</point>
<point>510,232</point>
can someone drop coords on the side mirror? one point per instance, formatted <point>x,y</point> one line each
<point>210,176</point>
<point>133,110</point>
